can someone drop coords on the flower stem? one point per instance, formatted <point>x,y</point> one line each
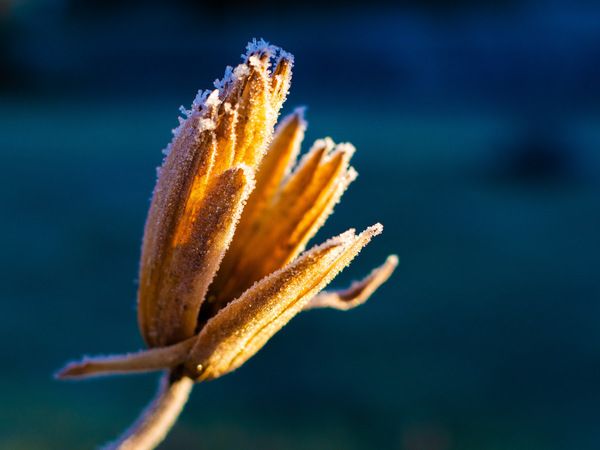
<point>159,416</point>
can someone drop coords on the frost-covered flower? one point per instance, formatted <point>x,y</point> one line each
<point>223,265</point>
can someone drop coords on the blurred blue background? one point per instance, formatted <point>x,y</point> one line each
<point>477,129</point>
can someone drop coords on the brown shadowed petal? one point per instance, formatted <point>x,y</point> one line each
<point>240,329</point>
<point>357,293</point>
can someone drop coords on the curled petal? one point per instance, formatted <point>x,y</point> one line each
<point>240,329</point>
<point>357,293</point>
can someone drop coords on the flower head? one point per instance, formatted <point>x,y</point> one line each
<point>223,265</point>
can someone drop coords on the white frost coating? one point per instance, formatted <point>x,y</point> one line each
<point>203,99</point>
<point>231,75</point>
<point>199,100</point>
<point>206,124</point>
<point>220,84</point>
<point>318,144</point>
<point>207,99</point>
<point>254,61</point>
<point>347,148</point>
<point>240,71</point>
<point>325,142</point>
<point>350,176</point>
<point>343,239</point>
<point>329,144</point>
<point>250,180</point>
<point>374,230</point>
<point>285,55</point>
<point>213,99</point>
<point>260,46</point>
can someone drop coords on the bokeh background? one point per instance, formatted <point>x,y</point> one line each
<point>478,134</point>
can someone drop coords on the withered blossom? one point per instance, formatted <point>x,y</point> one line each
<point>223,265</point>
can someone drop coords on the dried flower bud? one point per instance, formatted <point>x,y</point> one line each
<point>222,267</point>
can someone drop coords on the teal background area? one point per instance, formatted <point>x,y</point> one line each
<point>477,130</point>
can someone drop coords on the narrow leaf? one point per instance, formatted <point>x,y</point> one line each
<point>130,363</point>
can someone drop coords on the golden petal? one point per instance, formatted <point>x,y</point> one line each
<point>240,270</point>
<point>258,109</point>
<point>296,212</point>
<point>296,208</point>
<point>357,293</point>
<point>240,329</point>
<point>282,74</point>
<point>225,136</point>
<point>275,167</point>
<point>231,125</point>
<point>130,363</point>
<point>196,258</point>
<point>333,182</point>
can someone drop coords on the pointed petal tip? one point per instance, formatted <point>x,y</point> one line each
<point>247,173</point>
<point>342,239</point>
<point>72,371</point>
<point>351,175</point>
<point>287,56</point>
<point>267,50</point>
<point>349,237</point>
<point>295,118</point>
<point>59,374</point>
<point>347,148</point>
<point>374,230</point>
<point>392,260</point>
<point>300,111</point>
<point>298,115</point>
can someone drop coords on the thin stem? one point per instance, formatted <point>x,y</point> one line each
<point>159,416</point>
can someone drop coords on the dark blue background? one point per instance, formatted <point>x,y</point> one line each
<point>478,147</point>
